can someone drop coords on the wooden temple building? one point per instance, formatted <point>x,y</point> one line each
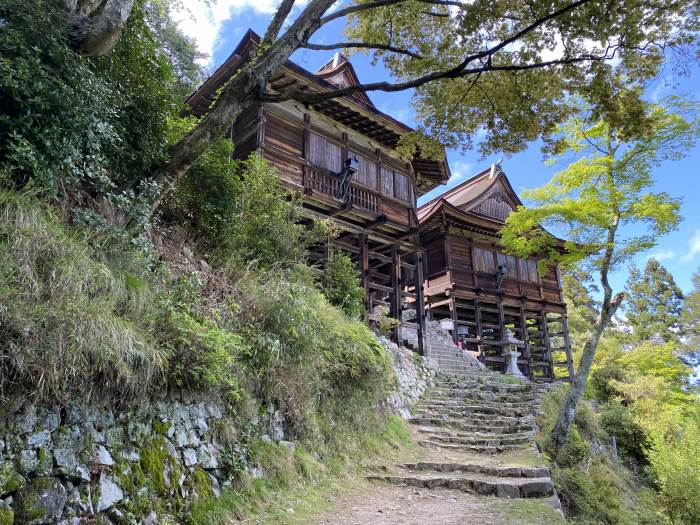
<point>341,154</point>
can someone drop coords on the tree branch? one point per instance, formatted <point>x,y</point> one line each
<point>281,14</point>
<point>380,3</point>
<point>362,45</point>
<point>458,71</point>
<point>314,97</point>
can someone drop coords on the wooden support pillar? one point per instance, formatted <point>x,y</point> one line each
<point>567,346</point>
<point>420,305</point>
<point>479,328</point>
<point>396,287</point>
<point>455,317</point>
<point>502,328</point>
<point>364,270</point>
<point>526,341</point>
<point>547,346</point>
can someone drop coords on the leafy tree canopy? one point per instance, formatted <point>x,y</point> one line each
<point>654,303</point>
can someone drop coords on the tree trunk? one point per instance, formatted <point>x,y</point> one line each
<point>567,410</point>
<point>98,24</point>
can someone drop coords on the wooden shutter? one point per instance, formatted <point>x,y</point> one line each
<point>532,270</point>
<point>387,182</point>
<point>324,153</point>
<point>483,260</point>
<point>400,186</point>
<point>366,171</point>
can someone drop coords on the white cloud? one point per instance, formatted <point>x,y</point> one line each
<point>203,21</point>
<point>661,255</point>
<point>693,247</point>
<point>461,170</point>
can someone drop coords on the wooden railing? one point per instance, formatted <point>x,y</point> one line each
<point>330,185</point>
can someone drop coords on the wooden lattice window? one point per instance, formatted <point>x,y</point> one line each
<point>325,153</point>
<point>495,205</point>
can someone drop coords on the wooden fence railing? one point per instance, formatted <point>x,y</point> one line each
<point>330,185</point>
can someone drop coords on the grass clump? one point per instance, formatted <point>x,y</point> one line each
<point>297,480</point>
<point>66,317</point>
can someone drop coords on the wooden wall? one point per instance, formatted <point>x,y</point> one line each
<point>471,264</point>
<point>295,140</point>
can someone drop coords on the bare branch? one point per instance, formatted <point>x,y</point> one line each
<point>277,21</point>
<point>306,96</point>
<point>344,45</point>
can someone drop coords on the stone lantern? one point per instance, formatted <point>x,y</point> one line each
<point>511,354</point>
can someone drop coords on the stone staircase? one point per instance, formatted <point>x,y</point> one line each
<point>477,430</point>
<point>441,350</point>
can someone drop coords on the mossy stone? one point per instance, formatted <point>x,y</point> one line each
<point>10,480</point>
<point>160,469</point>
<point>7,517</point>
<point>40,501</point>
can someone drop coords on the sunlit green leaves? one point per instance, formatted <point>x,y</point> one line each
<point>595,199</point>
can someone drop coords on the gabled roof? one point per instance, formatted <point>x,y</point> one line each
<point>488,194</point>
<point>355,111</point>
<point>339,72</point>
<point>481,203</point>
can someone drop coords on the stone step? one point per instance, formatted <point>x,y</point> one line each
<point>475,468</point>
<point>461,447</point>
<point>478,440</point>
<point>477,484</point>
<point>466,425</point>
<point>473,398</point>
<point>468,410</point>
<point>490,386</point>
<point>476,418</point>
<point>486,381</point>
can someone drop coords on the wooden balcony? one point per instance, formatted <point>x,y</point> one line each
<point>328,184</point>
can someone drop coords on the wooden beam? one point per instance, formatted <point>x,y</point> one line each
<point>379,221</point>
<point>420,305</point>
<point>344,209</point>
<point>364,270</point>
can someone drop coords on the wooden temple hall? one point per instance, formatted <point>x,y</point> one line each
<point>441,259</point>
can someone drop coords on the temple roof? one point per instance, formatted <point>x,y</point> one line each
<point>339,72</point>
<point>487,195</point>
<point>354,111</point>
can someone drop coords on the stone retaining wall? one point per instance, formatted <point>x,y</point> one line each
<point>414,374</point>
<point>102,463</point>
<point>133,465</point>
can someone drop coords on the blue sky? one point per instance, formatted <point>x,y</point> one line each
<point>218,29</point>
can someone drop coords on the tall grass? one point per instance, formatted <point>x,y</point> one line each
<point>66,319</point>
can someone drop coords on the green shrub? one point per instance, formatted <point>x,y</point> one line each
<point>203,355</point>
<point>675,462</point>
<point>341,285</point>
<point>207,198</point>
<point>68,122</point>
<point>602,381</point>
<point>617,420</point>
<point>306,353</point>
<point>574,451</point>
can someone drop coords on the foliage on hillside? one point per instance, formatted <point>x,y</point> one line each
<point>638,394</point>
